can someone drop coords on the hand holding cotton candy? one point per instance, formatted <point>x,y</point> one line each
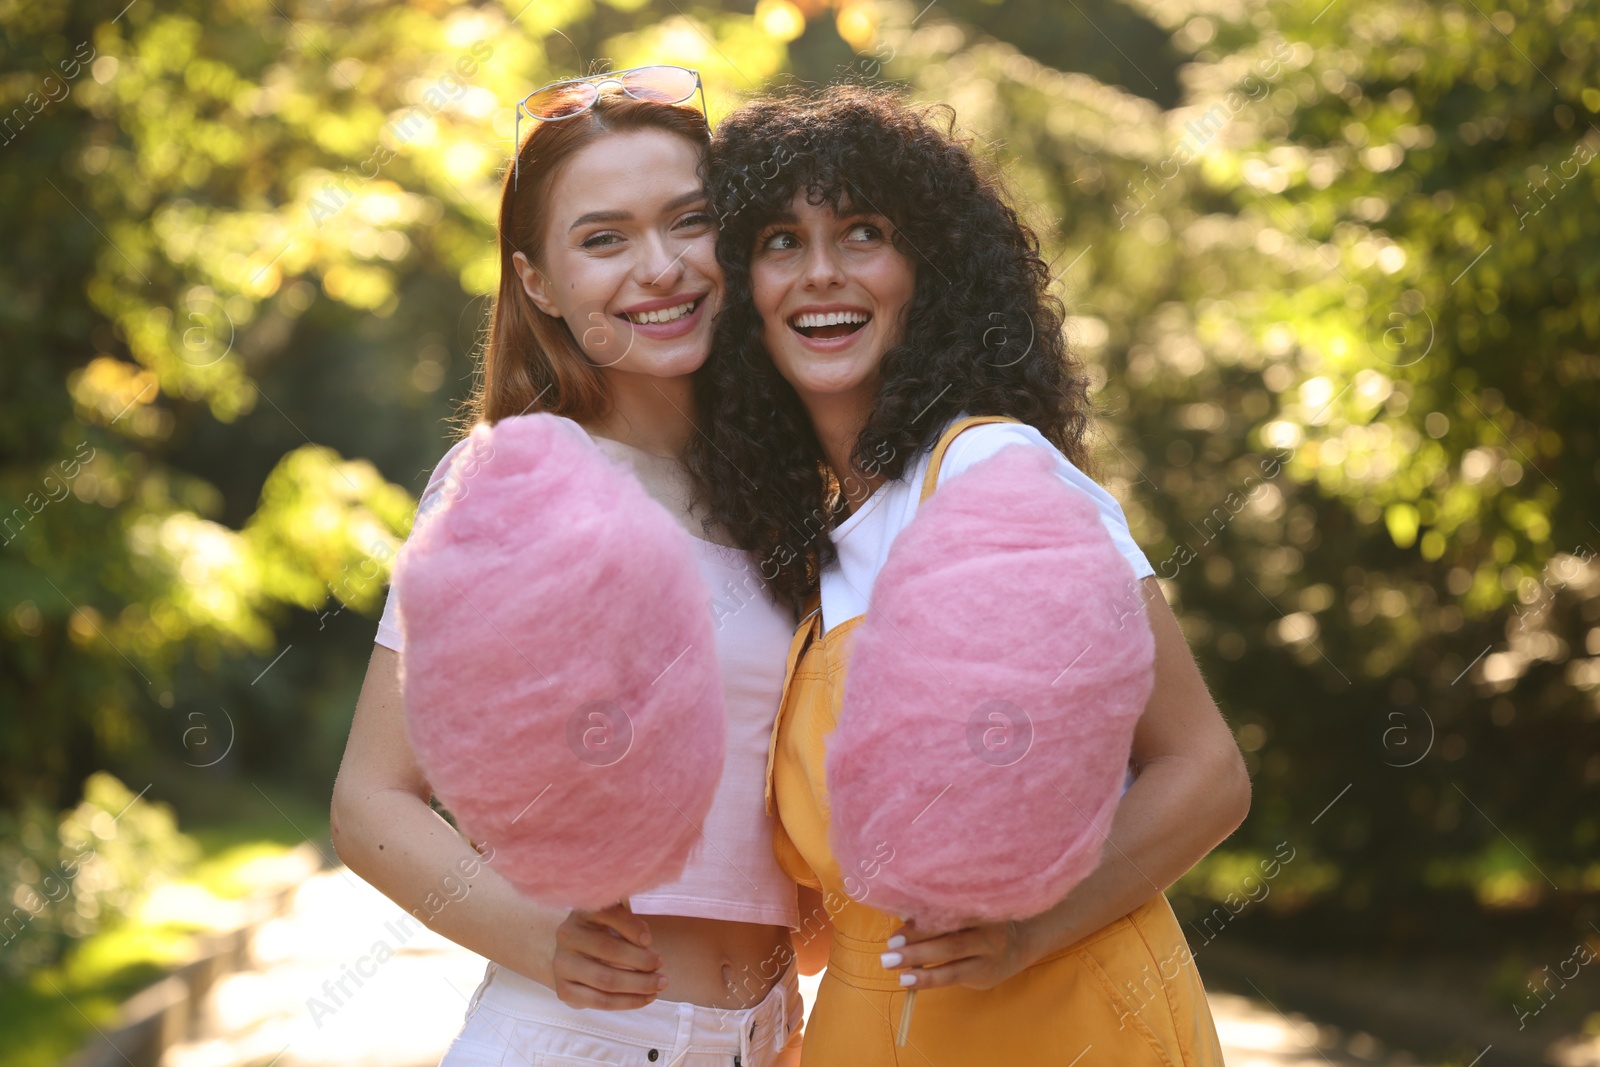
<point>559,672</point>
<point>991,699</point>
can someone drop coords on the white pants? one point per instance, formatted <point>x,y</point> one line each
<point>515,1020</point>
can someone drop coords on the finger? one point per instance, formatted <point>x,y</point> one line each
<point>598,943</point>
<point>580,996</point>
<point>628,926</point>
<point>971,971</point>
<point>912,932</point>
<point>934,952</point>
<point>581,970</point>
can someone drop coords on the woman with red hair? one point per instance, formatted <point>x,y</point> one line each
<point>609,285</point>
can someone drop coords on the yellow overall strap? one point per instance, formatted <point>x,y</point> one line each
<point>931,480</point>
<point>811,624</point>
<point>797,646</point>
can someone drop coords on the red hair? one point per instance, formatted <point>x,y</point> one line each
<point>531,361</point>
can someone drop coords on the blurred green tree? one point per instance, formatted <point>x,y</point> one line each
<point>245,241</point>
<point>1342,300</point>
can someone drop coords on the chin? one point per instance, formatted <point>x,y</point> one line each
<point>674,362</point>
<point>831,386</point>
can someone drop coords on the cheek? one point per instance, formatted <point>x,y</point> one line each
<point>766,292</point>
<point>581,285</point>
<point>892,284</point>
<point>901,279</point>
<point>701,256</point>
<point>559,274</point>
<point>583,290</point>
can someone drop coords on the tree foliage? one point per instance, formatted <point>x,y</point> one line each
<point>1342,299</point>
<point>1345,302</point>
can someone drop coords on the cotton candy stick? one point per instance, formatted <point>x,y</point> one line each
<point>904,1033</point>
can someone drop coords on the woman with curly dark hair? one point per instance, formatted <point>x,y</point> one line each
<point>888,325</point>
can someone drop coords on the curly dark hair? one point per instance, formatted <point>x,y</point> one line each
<point>981,293</point>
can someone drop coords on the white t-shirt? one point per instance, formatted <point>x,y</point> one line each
<point>864,538</point>
<point>732,874</point>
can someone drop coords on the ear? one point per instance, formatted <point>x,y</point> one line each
<point>535,285</point>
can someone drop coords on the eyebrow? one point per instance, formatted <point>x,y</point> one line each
<point>622,216</point>
<point>786,217</point>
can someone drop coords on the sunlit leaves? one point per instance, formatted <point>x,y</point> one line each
<point>327,527</point>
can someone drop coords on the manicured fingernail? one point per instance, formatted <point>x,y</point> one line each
<point>891,959</point>
<point>661,983</point>
<point>908,979</point>
<point>897,941</point>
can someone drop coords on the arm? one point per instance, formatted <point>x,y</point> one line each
<point>1191,792</point>
<point>385,830</point>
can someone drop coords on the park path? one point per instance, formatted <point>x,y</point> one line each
<point>346,979</point>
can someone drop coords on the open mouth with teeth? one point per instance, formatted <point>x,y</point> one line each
<point>822,325</point>
<point>664,315</point>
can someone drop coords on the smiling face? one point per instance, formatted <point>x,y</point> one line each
<point>629,255</point>
<point>832,291</point>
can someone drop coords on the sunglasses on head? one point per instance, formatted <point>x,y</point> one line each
<point>572,97</point>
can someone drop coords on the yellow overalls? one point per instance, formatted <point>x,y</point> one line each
<point>1126,995</point>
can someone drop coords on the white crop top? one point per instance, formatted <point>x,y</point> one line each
<point>864,538</point>
<point>732,874</point>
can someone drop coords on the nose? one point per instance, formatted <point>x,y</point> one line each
<point>661,266</point>
<point>821,268</point>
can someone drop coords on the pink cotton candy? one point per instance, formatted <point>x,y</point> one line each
<point>990,704</point>
<point>560,675</point>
